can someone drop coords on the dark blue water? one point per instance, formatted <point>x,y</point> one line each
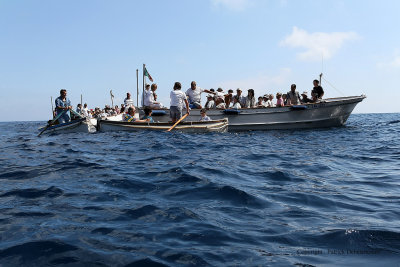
<point>326,197</point>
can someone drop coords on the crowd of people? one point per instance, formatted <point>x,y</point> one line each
<point>191,99</point>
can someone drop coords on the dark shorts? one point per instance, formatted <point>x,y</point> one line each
<point>175,113</point>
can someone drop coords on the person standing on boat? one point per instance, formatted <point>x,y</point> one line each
<point>177,99</point>
<point>250,99</point>
<point>63,104</point>
<point>128,101</point>
<point>194,94</point>
<point>317,91</point>
<point>240,97</point>
<point>293,97</point>
<point>147,96</point>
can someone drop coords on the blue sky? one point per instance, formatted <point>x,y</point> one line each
<point>90,47</point>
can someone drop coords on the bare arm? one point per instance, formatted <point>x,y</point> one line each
<point>187,106</point>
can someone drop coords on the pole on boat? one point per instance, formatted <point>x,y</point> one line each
<point>176,123</point>
<point>137,87</point>
<point>320,79</point>
<point>52,108</point>
<point>144,80</point>
<point>51,122</point>
<point>81,103</point>
<point>112,98</point>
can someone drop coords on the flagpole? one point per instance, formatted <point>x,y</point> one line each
<point>144,79</point>
<point>137,87</point>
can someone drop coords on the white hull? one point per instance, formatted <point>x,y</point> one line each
<point>111,118</point>
<point>328,113</point>
<point>192,127</point>
<point>77,126</point>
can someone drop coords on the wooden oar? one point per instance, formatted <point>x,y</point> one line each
<point>49,123</point>
<point>176,123</point>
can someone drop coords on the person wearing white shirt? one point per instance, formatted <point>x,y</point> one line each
<point>210,104</point>
<point>128,101</point>
<point>178,98</point>
<point>85,110</point>
<point>270,104</point>
<point>219,104</point>
<point>250,99</point>
<point>153,100</point>
<point>147,96</point>
<point>194,94</point>
<point>236,104</point>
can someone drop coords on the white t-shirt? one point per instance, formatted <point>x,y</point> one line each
<point>194,95</point>
<point>128,102</point>
<point>236,105</point>
<point>177,98</point>
<point>219,94</point>
<point>148,98</point>
<point>221,106</point>
<point>210,104</point>
<point>269,104</point>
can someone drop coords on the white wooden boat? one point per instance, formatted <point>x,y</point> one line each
<point>74,126</point>
<point>186,126</point>
<point>329,112</point>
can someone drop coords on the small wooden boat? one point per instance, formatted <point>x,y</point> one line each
<point>78,125</point>
<point>186,126</point>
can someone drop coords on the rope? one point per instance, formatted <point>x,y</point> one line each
<point>333,86</point>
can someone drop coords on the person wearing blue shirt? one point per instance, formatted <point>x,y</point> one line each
<point>147,114</point>
<point>63,104</point>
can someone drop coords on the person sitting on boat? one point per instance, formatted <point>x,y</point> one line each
<point>116,109</point>
<point>130,116</point>
<point>79,109</point>
<point>271,102</point>
<point>147,114</point>
<point>305,99</point>
<point>240,97</point>
<point>250,99</point>
<point>153,98</point>
<point>204,117</point>
<point>128,101</point>
<point>260,103</point>
<point>317,91</point>
<point>236,104</point>
<point>265,100</point>
<point>229,97</point>
<point>63,104</point>
<point>210,104</point>
<point>194,95</point>
<point>293,97</point>
<point>219,104</point>
<point>279,100</point>
<point>178,98</point>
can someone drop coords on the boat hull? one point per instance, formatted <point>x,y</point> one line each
<point>328,113</point>
<point>188,126</point>
<point>81,125</point>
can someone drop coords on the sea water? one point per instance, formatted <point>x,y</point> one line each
<point>322,197</point>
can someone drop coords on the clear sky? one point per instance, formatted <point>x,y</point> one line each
<point>92,46</point>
